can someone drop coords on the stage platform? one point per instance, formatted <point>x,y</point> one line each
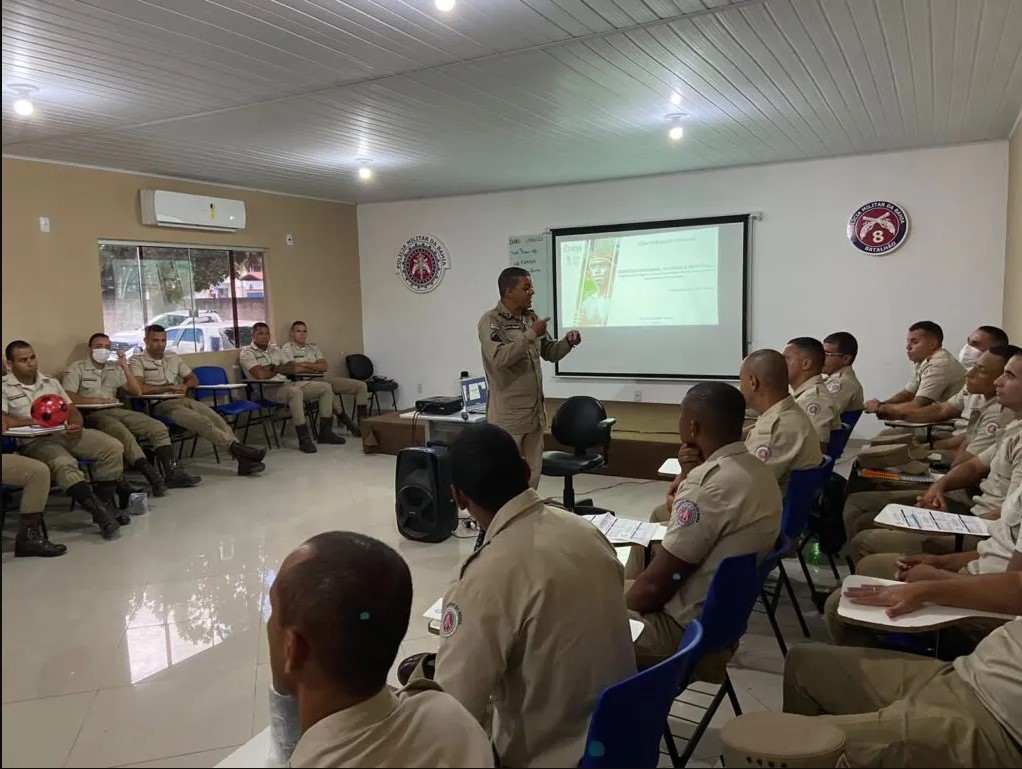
<point>645,435</point>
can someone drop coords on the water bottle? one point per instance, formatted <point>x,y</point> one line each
<point>461,393</point>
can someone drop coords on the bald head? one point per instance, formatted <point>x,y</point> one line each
<point>770,368</point>
<point>340,608</point>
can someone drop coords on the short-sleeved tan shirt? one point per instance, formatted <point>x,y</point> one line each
<point>82,377</point>
<point>815,399</point>
<point>845,388</point>
<point>171,369</point>
<point>252,356</point>
<point>310,353</point>
<point>937,378</point>
<point>1003,459</point>
<point>18,398</point>
<point>784,439</point>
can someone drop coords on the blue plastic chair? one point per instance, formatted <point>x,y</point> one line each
<point>851,418</point>
<point>232,409</point>
<point>734,590</point>
<point>838,441</point>
<point>629,717</point>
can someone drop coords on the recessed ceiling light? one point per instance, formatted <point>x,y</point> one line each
<point>445,5</point>
<point>22,105</point>
<point>676,99</point>
<point>676,133</point>
<point>365,173</point>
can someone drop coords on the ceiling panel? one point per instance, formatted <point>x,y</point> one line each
<point>290,94</point>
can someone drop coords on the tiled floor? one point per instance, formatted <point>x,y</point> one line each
<point>150,650</point>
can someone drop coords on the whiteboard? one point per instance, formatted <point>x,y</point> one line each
<point>532,253</point>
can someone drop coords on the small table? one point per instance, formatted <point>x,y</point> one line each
<point>669,469</point>
<point>925,521</point>
<point>430,422</point>
<point>98,406</point>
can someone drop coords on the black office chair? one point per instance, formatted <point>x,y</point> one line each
<point>360,367</point>
<point>581,422</point>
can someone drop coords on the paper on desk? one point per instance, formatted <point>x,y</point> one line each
<point>436,610</point>
<point>921,519</point>
<point>929,616</point>
<point>31,431</point>
<point>625,531</point>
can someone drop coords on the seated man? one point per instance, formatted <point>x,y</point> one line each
<point>899,709</point>
<point>96,380</point>
<point>308,359</point>
<point>978,342</point>
<point>728,504</point>
<point>158,372</point>
<point>535,623</point>
<point>61,451</point>
<point>783,438</point>
<point>264,362</point>
<point>1001,551</point>
<point>991,470</point>
<point>339,610</point>
<point>977,402</point>
<point>33,477</point>
<point>805,357</point>
<point>841,349</point>
<point>936,376</point>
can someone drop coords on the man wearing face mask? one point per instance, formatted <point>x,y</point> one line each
<point>978,342</point>
<point>936,376</point>
<point>99,379</point>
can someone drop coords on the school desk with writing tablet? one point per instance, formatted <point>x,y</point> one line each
<point>924,521</point>
<point>930,617</point>
<point>670,468</point>
<point>928,426</point>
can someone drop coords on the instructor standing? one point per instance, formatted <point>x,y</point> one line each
<point>513,340</point>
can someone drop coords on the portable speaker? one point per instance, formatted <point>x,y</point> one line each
<point>426,512</point>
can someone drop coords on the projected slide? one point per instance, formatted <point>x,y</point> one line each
<point>655,279</point>
<point>653,299</point>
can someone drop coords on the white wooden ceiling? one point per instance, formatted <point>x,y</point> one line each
<point>287,94</point>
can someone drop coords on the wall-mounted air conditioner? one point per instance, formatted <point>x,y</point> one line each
<point>193,212</point>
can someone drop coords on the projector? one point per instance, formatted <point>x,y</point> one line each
<point>439,404</point>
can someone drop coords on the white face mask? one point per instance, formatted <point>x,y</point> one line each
<point>101,355</point>
<point>969,356</point>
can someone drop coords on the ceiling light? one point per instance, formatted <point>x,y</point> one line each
<point>22,105</point>
<point>676,132</point>
<point>676,99</point>
<point>365,173</point>
<point>445,5</point>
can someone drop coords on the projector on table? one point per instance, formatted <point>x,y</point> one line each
<point>439,404</point>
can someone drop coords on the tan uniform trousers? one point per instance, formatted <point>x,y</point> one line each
<point>32,476</point>
<point>531,447</point>
<point>895,709</point>
<point>343,386</point>
<point>295,394</point>
<point>127,427</point>
<point>61,454</point>
<point>199,418</point>
<point>877,541</point>
<point>884,566</point>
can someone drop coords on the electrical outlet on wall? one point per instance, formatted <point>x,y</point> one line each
<point>638,396</point>
<point>418,388</point>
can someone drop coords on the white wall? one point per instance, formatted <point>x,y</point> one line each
<point>807,279</point>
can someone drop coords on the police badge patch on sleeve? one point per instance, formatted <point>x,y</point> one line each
<point>813,410</point>
<point>834,386</point>
<point>762,453</point>
<point>686,512</point>
<point>450,620</point>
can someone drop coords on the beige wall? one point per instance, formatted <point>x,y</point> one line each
<point>51,288</point>
<point>1013,249</point>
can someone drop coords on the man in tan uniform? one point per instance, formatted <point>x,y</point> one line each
<point>782,438</point>
<point>729,504</point>
<point>991,470</point>
<point>978,342</point>
<point>61,451</point>
<point>936,377</point>
<point>265,362</point>
<point>899,709</point>
<point>841,349</point>
<point>1001,551</point>
<point>96,380</point>
<point>535,622</point>
<point>339,609</point>
<point>308,359</point>
<point>805,357</point>
<point>33,477</point>
<point>976,402</point>
<point>513,340</point>
<point>159,372</point>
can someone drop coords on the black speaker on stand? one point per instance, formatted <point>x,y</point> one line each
<point>426,511</point>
